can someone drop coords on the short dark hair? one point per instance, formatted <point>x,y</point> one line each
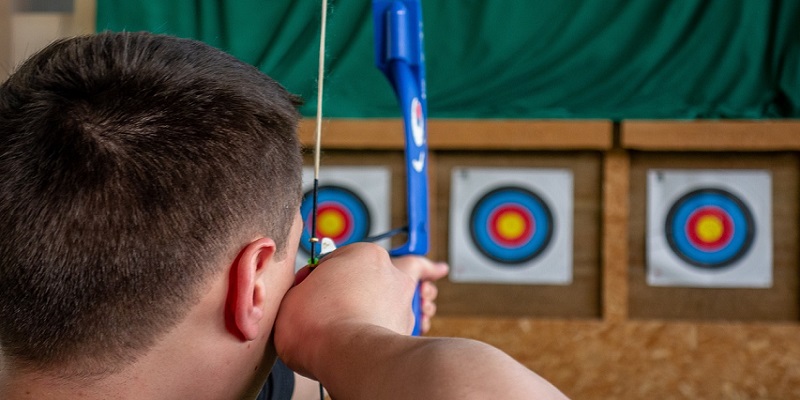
<point>131,166</point>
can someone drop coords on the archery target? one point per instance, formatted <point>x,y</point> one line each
<point>352,204</point>
<point>709,228</point>
<point>341,216</point>
<point>511,225</point>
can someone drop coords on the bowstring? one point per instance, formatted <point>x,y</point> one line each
<point>318,134</point>
<point>317,147</point>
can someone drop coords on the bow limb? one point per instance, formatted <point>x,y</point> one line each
<point>399,55</point>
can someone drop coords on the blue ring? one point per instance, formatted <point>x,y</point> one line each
<point>741,219</point>
<point>348,200</point>
<point>480,220</point>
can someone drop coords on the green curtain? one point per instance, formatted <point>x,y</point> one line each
<point>613,59</point>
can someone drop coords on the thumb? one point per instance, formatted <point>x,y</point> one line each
<point>421,268</point>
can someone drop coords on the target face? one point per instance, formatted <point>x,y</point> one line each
<point>341,216</point>
<point>353,203</point>
<point>709,228</point>
<point>511,225</point>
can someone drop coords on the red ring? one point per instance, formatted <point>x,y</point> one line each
<point>524,237</point>
<point>694,219</point>
<point>346,215</point>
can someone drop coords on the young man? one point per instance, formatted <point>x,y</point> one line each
<point>149,195</point>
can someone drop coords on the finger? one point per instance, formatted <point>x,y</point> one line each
<point>429,291</point>
<point>432,271</point>
<point>421,268</point>
<point>426,325</point>
<point>428,309</point>
<point>411,265</point>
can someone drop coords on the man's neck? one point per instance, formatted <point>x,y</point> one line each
<point>197,359</point>
<point>16,385</point>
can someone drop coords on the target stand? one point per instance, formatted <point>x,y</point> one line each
<point>352,204</point>
<point>709,228</point>
<point>511,225</point>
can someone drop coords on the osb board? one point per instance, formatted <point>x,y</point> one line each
<point>581,299</point>
<point>779,303</point>
<point>712,135</point>
<point>647,359</point>
<point>455,134</point>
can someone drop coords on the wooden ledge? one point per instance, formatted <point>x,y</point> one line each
<point>713,135</point>
<point>460,134</point>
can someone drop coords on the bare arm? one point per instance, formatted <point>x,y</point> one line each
<point>378,363</point>
<point>347,323</point>
<point>420,268</point>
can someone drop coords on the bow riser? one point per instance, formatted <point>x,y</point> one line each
<point>399,55</point>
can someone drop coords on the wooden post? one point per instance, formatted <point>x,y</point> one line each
<point>5,39</point>
<point>616,186</point>
<point>84,17</point>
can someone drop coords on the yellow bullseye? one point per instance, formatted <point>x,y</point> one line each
<point>510,225</point>
<point>331,223</point>
<point>709,228</point>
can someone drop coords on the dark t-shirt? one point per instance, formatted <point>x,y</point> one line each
<point>279,385</point>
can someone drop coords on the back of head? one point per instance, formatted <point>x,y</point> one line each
<point>131,166</point>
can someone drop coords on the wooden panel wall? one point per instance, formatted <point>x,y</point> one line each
<point>609,335</point>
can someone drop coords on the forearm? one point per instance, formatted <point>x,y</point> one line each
<point>372,362</point>
<point>344,324</point>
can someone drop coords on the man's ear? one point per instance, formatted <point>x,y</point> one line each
<point>246,293</point>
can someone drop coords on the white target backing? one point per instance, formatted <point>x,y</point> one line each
<point>511,225</point>
<point>709,228</point>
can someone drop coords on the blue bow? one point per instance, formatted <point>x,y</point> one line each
<point>399,55</point>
